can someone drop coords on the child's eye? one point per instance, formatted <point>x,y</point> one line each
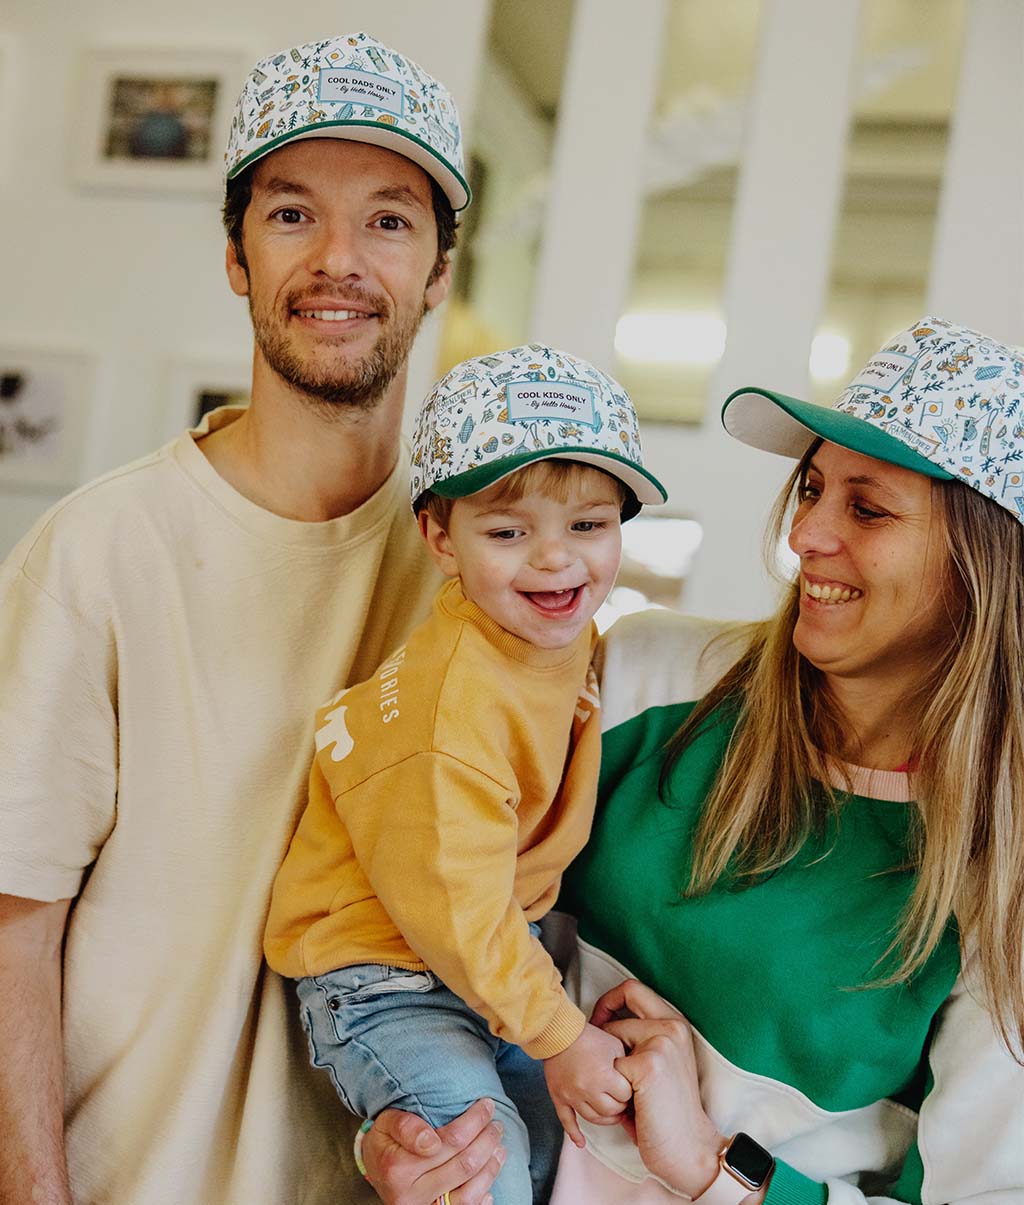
<point>505,533</point>
<point>588,525</point>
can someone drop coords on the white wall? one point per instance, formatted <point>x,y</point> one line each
<point>138,280</point>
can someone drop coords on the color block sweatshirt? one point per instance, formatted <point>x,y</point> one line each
<point>447,795</point>
<point>862,1092</point>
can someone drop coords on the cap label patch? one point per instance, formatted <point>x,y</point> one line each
<point>913,439</point>
<point>882,371</point>
<point>528,400</point>
<point>361,88</point>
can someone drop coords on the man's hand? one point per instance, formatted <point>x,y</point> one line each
<point>582,1079</point>
<point>408,1163</point>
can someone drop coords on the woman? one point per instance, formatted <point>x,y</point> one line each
<point>811,835</point>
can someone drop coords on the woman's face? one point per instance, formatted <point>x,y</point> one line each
<point>873,569</point>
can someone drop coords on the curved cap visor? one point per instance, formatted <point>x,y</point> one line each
<point>408,146</point>
<point>776,423</point>
<point>644,486</point>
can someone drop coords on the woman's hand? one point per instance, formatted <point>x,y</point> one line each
<point>409,1163</point>
<point>675,1137</point>
<point>583,1079</point>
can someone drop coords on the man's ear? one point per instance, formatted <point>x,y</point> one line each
<point>437,289</point>
<point>238,277</point>
<point>438,543</point>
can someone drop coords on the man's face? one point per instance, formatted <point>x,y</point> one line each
<point>340,241</point>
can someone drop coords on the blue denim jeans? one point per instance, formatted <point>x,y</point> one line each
<point>391,1038</point>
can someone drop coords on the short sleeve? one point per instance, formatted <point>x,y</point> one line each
<point>58,740</point>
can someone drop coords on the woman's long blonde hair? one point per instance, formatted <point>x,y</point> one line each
<point>967,839</point>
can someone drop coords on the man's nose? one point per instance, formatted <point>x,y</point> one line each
<point>337,251</point>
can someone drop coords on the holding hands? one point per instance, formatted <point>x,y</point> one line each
<point>583,1079</point>
<point>675,1137</point>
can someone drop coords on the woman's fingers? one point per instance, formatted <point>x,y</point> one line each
<point>633,1032</point>
<point>633,996</point>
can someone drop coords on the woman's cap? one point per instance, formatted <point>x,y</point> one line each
<point>939,398</point>
<point>349,87</point>
<point>492,415</point>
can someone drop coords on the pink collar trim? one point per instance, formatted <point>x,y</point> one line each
<point>893,785</point>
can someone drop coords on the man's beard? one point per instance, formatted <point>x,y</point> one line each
<point>358,384</point>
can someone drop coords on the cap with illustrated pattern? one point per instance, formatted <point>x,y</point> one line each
<point>938,398</point>
<point>492,415</point>
<point>351,87</point>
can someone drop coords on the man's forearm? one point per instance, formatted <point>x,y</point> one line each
<point>33,1167</point>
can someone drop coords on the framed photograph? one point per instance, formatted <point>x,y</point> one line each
<point>197,386</point>
<point>155,120</point>
<point>44,402</point>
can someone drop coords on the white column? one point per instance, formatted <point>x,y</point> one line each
<point>978,262</point>
<point>458,63</point>
<point>589,232</point>
<point>786,205</point>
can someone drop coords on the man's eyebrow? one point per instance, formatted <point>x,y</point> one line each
<point>278,184</point>
<point>401,194</point>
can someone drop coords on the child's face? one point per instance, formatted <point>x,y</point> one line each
<point>537,566</point>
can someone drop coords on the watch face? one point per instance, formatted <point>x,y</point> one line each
<point>749,1160</point>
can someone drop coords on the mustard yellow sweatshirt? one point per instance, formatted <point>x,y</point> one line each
<point>448,794</point>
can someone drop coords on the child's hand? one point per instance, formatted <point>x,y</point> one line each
<point>582,1079</point>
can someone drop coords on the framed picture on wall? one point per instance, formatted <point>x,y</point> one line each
<point>197,386</point>
<point>45,396</point>
<point>155,120</point>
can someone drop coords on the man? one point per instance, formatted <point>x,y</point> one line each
<point>165,637</point>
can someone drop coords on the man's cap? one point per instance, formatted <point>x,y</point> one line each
<point>938,398</point>
<point>349,87</point>
<point>492,415</point>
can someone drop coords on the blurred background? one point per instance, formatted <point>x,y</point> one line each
<point>694,195</point>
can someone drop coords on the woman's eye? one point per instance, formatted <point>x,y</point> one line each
<point>807,492</point>
<point>866,512</point>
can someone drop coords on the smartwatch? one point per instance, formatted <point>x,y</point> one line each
<point>744,1166</point>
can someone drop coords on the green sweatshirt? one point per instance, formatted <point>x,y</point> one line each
<point>861,1091</point>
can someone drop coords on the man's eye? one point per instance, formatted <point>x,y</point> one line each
<point>290,217</point>
<point>391,221</point>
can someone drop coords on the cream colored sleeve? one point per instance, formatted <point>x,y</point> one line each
<point>437,840</point>
<point>58,741</point>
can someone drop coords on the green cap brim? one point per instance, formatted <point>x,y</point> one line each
<point>643,486</point>
<point>776,423</point>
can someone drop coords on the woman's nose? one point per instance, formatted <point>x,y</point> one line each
<point>815,529</point>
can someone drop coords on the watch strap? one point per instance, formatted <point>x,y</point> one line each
<point>724,1189</point>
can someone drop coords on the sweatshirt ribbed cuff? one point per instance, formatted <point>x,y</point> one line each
<point>790,1187</point>
<point>559,1034</point>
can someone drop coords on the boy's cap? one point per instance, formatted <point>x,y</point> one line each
<point>940,399</point>
<point>492,415</point>
<point>350,87</point>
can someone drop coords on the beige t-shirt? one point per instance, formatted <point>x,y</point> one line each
<point>164,645</point>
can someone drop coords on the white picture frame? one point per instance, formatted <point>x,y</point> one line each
<point>197,384</point>
<point>46,398</point>
<point>154,120</point>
